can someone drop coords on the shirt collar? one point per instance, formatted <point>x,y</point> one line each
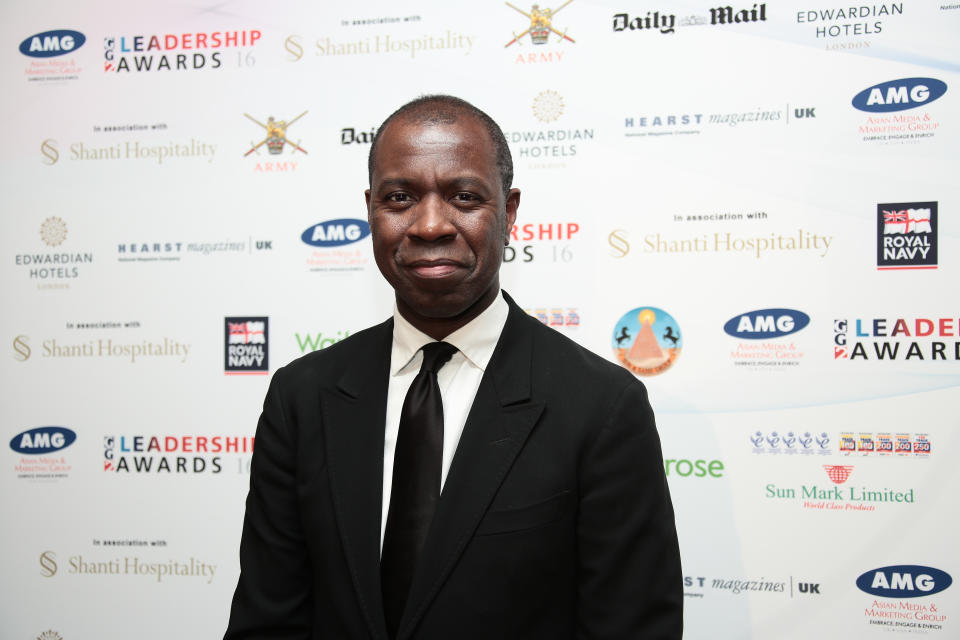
<point>476,340</point>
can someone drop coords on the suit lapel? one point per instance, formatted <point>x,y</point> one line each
<point>354,415</point>
<point>499,422</point>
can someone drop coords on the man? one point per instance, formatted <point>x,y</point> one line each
<point>554,519</point>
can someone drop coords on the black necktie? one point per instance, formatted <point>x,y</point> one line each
<point>415,490</point>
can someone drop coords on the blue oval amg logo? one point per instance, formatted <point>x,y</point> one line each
<point>899,95</point>
<point>766,323</point>
<point>52,43</point>
<point>42,440</point>
<point>335,233</point>
<point>904,581</point>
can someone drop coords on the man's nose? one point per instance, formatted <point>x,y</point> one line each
<point>432,219</point>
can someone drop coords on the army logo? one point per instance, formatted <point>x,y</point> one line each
<point>541,25</point>
<point>548,106</point>
<point>276,136</point>
<point>647,341</point>
<point>53,231</point>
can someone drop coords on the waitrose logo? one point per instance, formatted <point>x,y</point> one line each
<point>309,341</point>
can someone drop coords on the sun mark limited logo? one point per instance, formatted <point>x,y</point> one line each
<point>49,635</point>
<point>246,345</point>
<point>48,564</point>
<point>647,341</point>
<point>53,231</point>
<point>541,25</point>
<point>548,106</point>
<point>838,473</point>
<point>907,235</point>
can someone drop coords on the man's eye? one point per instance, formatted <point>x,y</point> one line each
<point>398,197</point>
<point>465,197</point>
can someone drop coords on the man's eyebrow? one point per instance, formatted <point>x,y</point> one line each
<point>466,182</point>
<point>459,182</point>
<point>395,182</point>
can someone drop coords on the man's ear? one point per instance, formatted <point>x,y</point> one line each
<point>512,204</point>
<point>366,196</point>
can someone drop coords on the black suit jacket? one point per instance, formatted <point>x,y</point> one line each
<point>554,522</point>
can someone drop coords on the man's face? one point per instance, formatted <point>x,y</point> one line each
<point>439,218</point>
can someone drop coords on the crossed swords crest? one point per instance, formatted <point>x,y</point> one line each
<point>540,24</point>
<point>276,135</point>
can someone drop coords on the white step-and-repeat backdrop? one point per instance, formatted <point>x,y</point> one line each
<point>753,207</point>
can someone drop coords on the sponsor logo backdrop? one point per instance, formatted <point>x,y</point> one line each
<point>753,207</point>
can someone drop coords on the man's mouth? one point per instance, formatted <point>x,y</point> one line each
<point>433,268</point>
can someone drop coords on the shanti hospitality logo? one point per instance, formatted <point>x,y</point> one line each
<point>145,566</point>
<point>246,345</point>
<point>906,235</point>
<point>276,142</point>
<point>647,341</point>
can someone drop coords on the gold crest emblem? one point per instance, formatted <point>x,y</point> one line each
<point>276,135</point>
<point>541,25</point>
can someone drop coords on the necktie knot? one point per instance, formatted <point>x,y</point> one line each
<point>435,355</point>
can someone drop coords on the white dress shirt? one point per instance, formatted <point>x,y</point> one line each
<point>458,379</point>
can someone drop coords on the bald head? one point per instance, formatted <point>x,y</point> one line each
<point>436,110</point>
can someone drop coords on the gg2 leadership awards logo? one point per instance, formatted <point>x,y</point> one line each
<point>647,341</point>
<point>907,235</point>
<point>245,346</point>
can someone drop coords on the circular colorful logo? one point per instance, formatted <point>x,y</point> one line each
<point>647,341</point>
